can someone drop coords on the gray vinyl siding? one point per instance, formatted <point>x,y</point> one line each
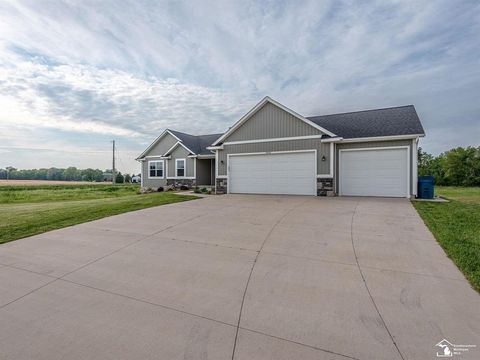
<point>180,153</point>
<point>152,183</point>
<point>323,149</point>
<point>373,144</point>
<point>271,122</point>
<point>162,146</point>
<point>158,149</point>
<point>204,171</point>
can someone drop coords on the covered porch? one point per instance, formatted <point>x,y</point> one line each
<point>205,171</point>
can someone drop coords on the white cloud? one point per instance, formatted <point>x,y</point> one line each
<point>129,70</point>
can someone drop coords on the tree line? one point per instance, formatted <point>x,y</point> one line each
<point>68,174</point>
<point>455,167</point>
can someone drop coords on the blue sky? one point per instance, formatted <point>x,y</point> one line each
<point>76,74</point>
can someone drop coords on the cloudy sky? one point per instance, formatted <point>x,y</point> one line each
<point>76,74</point>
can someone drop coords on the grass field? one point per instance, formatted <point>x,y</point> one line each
<point>4,182</point>
<point>456,226</point>
<point>30,210</point>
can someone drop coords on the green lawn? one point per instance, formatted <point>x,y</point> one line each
<point>31,210</point>
<point>49,193</point>
<point>456,226</point>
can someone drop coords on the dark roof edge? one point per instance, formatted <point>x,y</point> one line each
<point>360,111</point>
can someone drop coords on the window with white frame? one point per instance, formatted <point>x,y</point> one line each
<point>180,167</point>
<point>155,169</point>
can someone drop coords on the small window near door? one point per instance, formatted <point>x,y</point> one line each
<point>180,167</point>
<point>155,169</point>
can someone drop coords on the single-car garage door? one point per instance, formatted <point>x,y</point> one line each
<point>282,173</point>
<point>374,172</point>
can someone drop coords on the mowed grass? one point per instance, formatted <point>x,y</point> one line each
<point>456,226</point>
<point>34,210</point>
<point>49,193</point>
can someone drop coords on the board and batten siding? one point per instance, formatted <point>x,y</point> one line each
<point>180,153</point>
<point>271,122</point>
<point>160,148</point>
<point>323,149</point>
<point>375,144</point>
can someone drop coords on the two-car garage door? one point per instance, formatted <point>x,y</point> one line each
<point>276,173</point>
<point>362,172</point>
<point>374,172</point>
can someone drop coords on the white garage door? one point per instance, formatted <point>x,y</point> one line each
<point>287,173</point>
<point>374,172</point>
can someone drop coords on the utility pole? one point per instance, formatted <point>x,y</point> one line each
<point>113,162</point>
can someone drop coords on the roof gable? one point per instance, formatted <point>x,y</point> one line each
<point>169,140</point>
<point>196,143</point>
<point>258,107</point>
<point>161,144</point>
<point>176,145</point>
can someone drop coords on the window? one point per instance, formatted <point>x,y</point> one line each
<point>180,167</point>
<point>155,169</point>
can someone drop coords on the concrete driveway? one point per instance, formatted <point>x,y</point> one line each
<point>260,277</point>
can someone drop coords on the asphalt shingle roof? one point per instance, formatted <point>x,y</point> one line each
<point>196,143</point>
<point>402,120</point>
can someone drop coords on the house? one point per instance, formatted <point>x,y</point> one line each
<point>274,150</point>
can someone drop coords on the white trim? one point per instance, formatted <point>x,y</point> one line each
<point>330,140</point>
<point>270,153</point>
<point>180,177</point>
<point>251,153</point>
<point>175,145</point>
<point>201,156</point>
<point>163,169</point>
<point>332,156</point>
<point>184,168</point>
<point>382,138</point>
<point>415,166</point>
<point>273,139</point>
<point>156,141</point>
<point>213,148</point>
<point>216,166</point>
<point>222,177</point>
<point>373,149</point>
<point>335,169</point>
<point>257,107</point>
<point>156,157</point>
<point>376,148</point>
<point>194,168</point>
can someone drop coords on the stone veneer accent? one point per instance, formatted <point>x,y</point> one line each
<point>220,186</point>
<point>325,187</point>
<point>179,182</point>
